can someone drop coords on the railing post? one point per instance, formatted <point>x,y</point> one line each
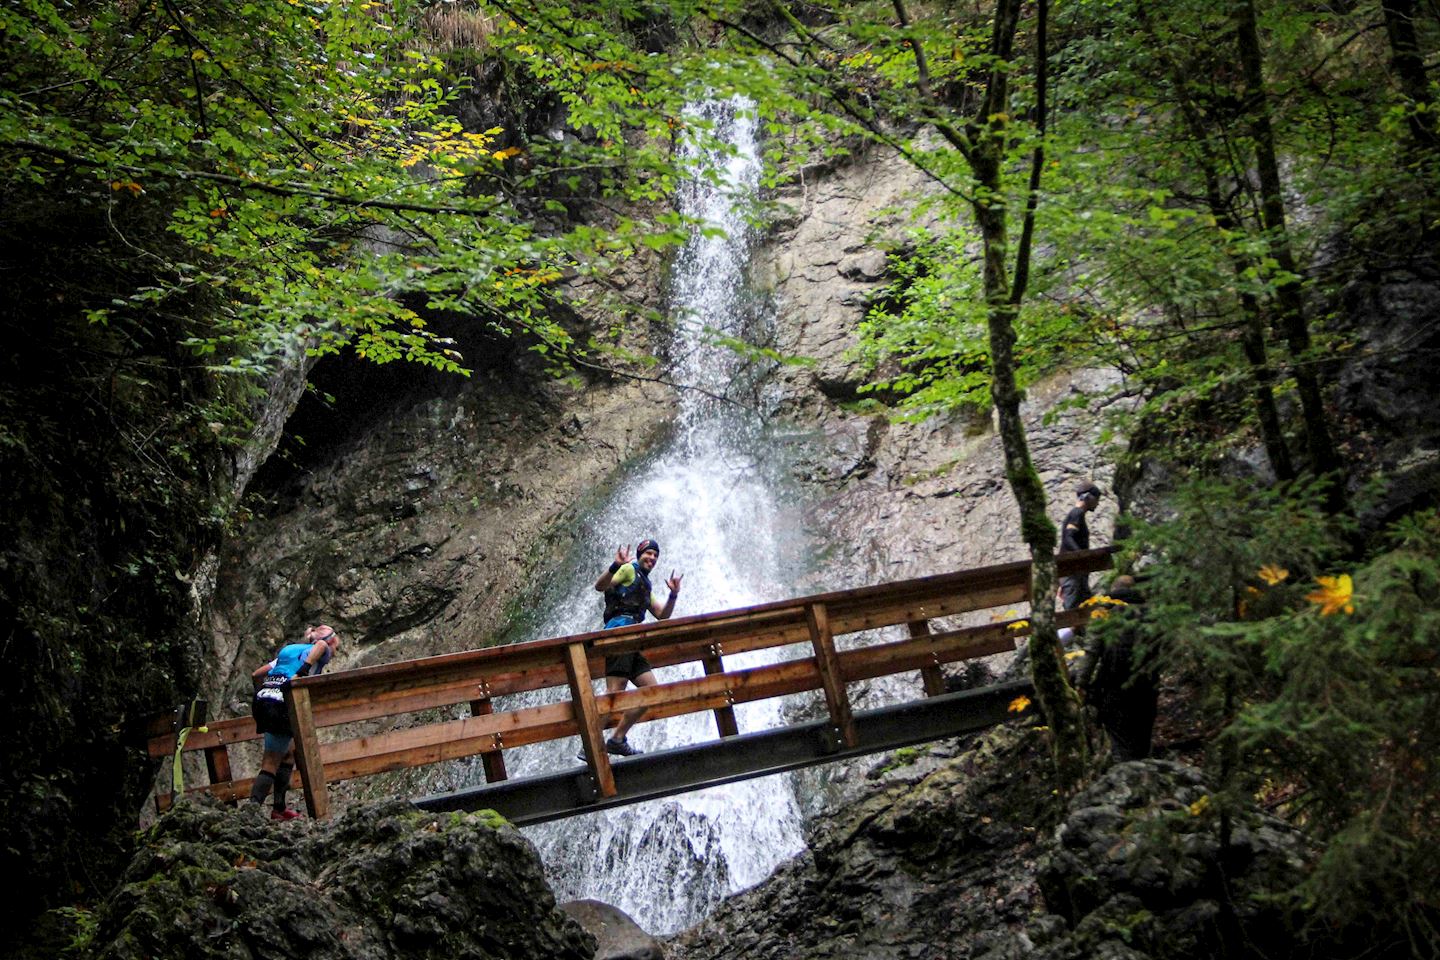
<point>307,754</point>
<point>828,662</point>
<point>217,763</point>
<point>724,716</point>
<point>932,676</point>
<point>587,716</point>
<point>493,760</point>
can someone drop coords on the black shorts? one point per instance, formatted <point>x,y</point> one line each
<point>627,665</point>
<point>271,716</point>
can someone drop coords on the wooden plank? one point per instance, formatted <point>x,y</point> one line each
<point>307,753</point>
<point>930,676</point>
<point>505,728</point>
<point>592,734</point>
<point>890,614</point>
<point>828,663</point>
<point>739,685</point>
<point>795,633</point>
<point>902,656</point>
<point>492,760</point>
<point>217,763</point>
<point>234,730</point>
<point>725,722</point>
<point>419,756</point>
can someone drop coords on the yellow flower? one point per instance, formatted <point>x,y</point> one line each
<point>1074,655</point>
<point>1099,613</point>
<point>1019,625</point>
<point>1335,594</point>
<point>1272,574</point>
<point>1199,806</point>
<point>1019,704</point>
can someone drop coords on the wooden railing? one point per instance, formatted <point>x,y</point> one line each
<point>476,677</point>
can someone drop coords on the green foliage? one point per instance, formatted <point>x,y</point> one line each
<point>309,162</point>
<point>1323,685</point>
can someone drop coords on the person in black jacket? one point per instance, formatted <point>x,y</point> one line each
<point>1075,535</point>
<point>1122,684</point>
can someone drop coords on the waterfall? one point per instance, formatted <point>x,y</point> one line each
<point>712,495</point>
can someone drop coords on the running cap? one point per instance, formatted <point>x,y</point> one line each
<point>1088,490</point>
<point>647,545</point>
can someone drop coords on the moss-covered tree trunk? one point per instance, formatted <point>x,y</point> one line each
<point>986,154</point>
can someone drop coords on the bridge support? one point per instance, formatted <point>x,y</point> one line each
<point>725,723</point>
<point>587,715</point>
<point>307,753</point>
<point>493,760</point>
<point>931,676</point>
<point>837,700</point>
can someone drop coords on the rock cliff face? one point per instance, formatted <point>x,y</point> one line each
<point>418,508</point>
<point>897,499</point>
<point>418,514</point>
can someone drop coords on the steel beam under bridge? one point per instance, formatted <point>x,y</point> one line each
<point>649,776</point>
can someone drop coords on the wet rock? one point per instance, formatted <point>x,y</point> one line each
<point>913,868</point>
<point>965,863</point>
<point>384,881</point>
<point>617,936</point>
<point>1138,864</point>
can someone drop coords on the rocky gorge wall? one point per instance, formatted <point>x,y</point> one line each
<point>422,527</point>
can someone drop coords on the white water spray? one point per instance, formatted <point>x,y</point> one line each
<point>710,497</point>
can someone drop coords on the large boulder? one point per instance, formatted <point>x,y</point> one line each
<point>382,881</point>
<point>1143,865</point>
<point>972,856</point>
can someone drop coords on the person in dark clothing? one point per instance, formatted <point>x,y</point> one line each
<point>272,716</point>
<point>1122,684</point>
<point>628,596</point>
<point>1075,535</point>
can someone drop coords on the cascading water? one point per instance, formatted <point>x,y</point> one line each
<point>711,496</point>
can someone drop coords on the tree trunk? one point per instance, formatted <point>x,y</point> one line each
<point>1058,701</point>
<point>1410,70</point>
<point>1323,457</point>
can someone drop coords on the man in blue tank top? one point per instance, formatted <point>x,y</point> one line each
<point>272,715</point>
<point>626,585</point>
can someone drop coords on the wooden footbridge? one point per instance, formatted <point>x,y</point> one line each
<point>417,689</point>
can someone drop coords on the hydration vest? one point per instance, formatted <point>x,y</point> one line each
<point>632,600</point>
<point>268,707</point>
<point>292,657</point>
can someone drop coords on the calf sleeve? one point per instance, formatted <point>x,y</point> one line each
<point>282,783</point>
<point>261,788</point>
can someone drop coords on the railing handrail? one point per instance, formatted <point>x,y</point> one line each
<point>467,668</point>
<point>656,633</point>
